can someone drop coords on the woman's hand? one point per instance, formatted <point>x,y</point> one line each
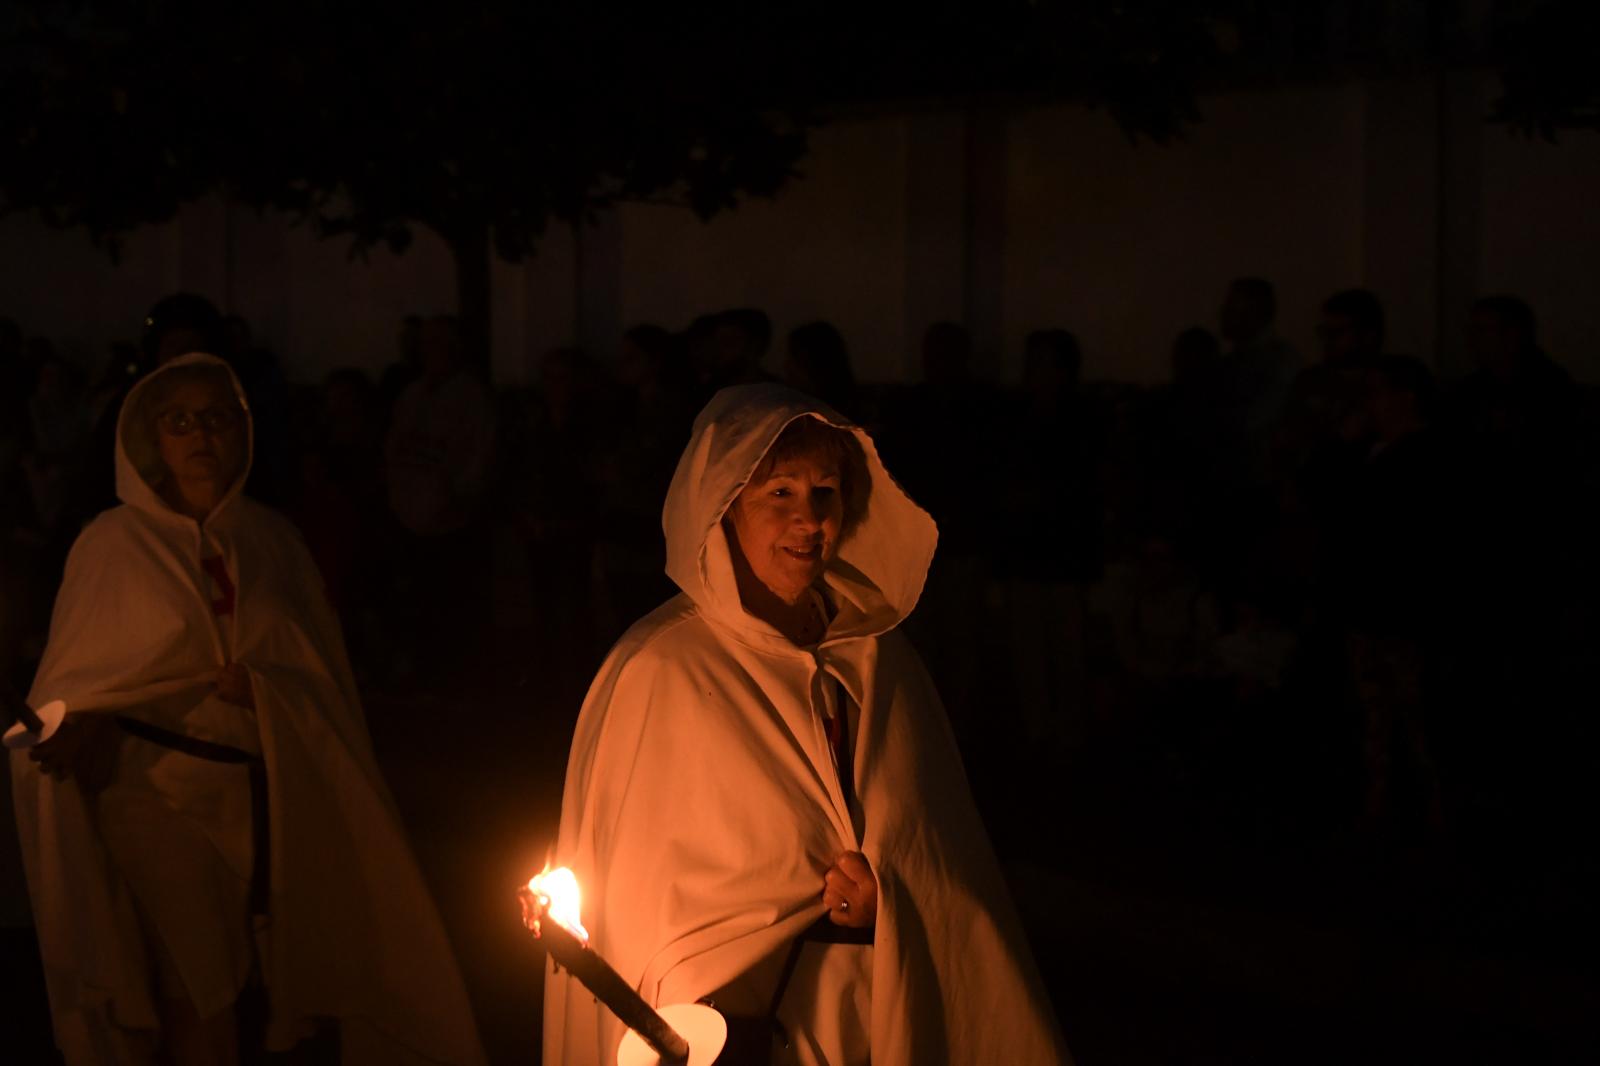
<point>233,685</point>
<point>84,747</point>
<point>850,891</point>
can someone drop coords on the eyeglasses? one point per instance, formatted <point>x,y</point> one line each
<point>181,423</point>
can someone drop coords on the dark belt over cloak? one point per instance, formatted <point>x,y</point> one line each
<point>260,842</point>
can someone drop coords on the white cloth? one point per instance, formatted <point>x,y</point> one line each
<point>353,933</point>
<point>178,835</point>
<point>702,805</point>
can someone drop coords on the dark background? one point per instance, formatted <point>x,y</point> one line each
<point>1273,673</point>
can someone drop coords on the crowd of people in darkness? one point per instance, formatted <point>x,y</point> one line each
<point>1316,588</point>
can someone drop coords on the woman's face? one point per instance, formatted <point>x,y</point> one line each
<point>788,525</point>
<point>200,432</point>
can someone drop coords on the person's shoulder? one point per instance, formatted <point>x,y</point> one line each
<point>902,679</point>
<point>896,652</point>
<point>268,521</point>
<point>666,636</point>
<point>107,529</point>
<point>644,662</point>
<point>108,545</point>
<point>109,523</point>
<point>676,644</point>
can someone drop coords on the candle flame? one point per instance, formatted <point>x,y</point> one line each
<point>558,895</point>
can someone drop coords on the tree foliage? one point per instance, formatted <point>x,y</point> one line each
<point>1549,59</point>
<point>495,117</point>
<point>506,115</point>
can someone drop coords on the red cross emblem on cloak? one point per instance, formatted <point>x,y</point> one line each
<point>223,604</point>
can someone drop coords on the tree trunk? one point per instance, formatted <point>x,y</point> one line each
<point>473,302</point>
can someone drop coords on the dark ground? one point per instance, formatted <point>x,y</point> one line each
<point>1163,939</point>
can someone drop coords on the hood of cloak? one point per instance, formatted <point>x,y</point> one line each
<point>882,563</point>
<point>352,933</point>
<point>139,469</point>
<point>702,802</point>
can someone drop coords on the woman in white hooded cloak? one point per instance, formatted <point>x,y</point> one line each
<point>185,631</point>
<point>716,813</point>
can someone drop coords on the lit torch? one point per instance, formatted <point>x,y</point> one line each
<point>550,911</point>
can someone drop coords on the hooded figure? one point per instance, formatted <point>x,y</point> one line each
<point>164,869</point>
<point>716,813</point>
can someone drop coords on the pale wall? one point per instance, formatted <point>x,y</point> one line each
<point>1541,238</point>
<point>831,247</point>
<point>1044,218</point>
<point>58,285</point>
<point>1127,245</point>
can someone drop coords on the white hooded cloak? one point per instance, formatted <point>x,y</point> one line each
<point>352,934</point>
<point>702,805</point>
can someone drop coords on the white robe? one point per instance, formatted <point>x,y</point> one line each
<point>353,933</point>
<point>702,805</point>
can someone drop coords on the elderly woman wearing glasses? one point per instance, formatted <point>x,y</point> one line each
<point>208,818</point>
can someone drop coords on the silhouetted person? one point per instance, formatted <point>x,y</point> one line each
<point>1351,332</point>
<point>1325,419</point>
<point>1321,466</point>
<point>819,365</point>
<point>440,439</point>
<point>1519,415</point>
<point>340,498</point>
<point>182,323</point>
<point>732,349</point>
<point>1048,508</point>
<point>14,388</point>
<point>1247,317</point>
<point>939,441</point>
<point>1163,623</point>
<point>1519,397</point>
<point>560,504</point>
<point>58,429</point>
<point>272,473</point>
<point>37,352</point>
<point>1352,328</point>
<point>697,339</point>
<point>947,355</point>
<point>658,396</point>
<point>400,374</point>
<point>122,364</point>
<point>41,454</point>
<point>653,371</point>
<point>1392,588</point>
<point>350,425</point>
<point>438,450</point>
<point>1530,542</point>
<point>12,380</point>
<point>1256,374</point>
<point>1258,368</point>
<point>1196,358</point>
<point>1179,428</point>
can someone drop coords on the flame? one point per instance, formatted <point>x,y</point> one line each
<point>558,894</point>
